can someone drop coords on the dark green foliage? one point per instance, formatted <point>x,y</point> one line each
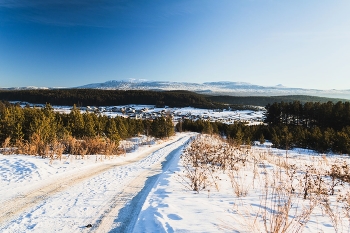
<point>262,139</point>
<point>95,97</point>
<point>162,127</point>
<point>238,132</point>
<point>241,102</point>
<point>319,126</point>
<point>323,127</point>
<point>112,131</point>
<point>329,114</point>
<point>46,126</point>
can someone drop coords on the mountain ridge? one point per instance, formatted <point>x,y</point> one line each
<point>228,88</point>
<point>216,88</point>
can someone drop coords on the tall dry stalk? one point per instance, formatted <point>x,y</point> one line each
<point>239,184</point>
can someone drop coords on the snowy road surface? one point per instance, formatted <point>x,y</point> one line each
<point>107,194</point>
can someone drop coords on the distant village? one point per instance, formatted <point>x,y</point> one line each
<point>177,114</point>
<point>150,112</point>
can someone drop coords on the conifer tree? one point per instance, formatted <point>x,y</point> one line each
<point>111,131</point>
<point>262,139</point>
<point>89,125</point>
<point>123,133</point>
<point>207,129</point>
<point>76,122</point>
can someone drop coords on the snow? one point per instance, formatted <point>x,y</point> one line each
<point>212,88</point>
<point>163,204</point>
<point>82,202</point>
<point>145,190</point>
<point>172,208</point>
<point>250,117</point>
<point>216,88</point>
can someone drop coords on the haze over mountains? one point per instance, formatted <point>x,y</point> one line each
<point>216,88</point>
<point>211,88</point>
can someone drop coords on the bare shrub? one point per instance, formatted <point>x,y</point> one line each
<point>111,147</point>
<point>345,201</point>
<point>201,161</point>
<point>340,170</point>
<point>239,184</point>
<point>6,147</point>
<point>6,143</point>
<point>335,175</point>
<point>58,149</point>
<point>290,192</point>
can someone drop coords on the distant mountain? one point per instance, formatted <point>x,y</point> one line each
<point>221,88</point>
<point>30,88</point>
<point>26,88</point>
<point>216,88</point>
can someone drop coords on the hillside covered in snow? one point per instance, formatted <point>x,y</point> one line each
<point>209,88</point>
<point>216,88</point>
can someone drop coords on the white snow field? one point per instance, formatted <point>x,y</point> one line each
<point>37,195</point>
<point>148,191</point>
<point>172,206</point>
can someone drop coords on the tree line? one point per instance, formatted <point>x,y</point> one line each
<point>265,100</point>
<point>323,127</point>
<point>311,114</point>
<point>27,126</point>
<point>96,97</point>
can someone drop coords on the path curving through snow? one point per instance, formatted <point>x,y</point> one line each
<point>128,204</point>
<point>100,195</point>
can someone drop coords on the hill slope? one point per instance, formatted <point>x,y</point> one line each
<point>216,88</point>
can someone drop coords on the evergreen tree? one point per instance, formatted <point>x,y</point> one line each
<point>162,127</point>
<point>111,131</point>
<point>89,125</point>
<point>262,139</point>
<point>123,133</point>
<point>207,129</point>
<point>76,123</point>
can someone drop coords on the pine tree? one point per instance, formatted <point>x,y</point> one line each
<point>262,139</point>
<point>76,123</point>
<point>111,131</point>
<point>208,129</point>
<point>89,125</point>
<point>170,129</point>
<point>123,133</point>
<point>162,127</point>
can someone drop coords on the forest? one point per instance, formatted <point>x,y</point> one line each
<point>265,100</point>
<point>97,97</point>
<point>41,131</point>
<point>320,126</point>
<point>323,127</point>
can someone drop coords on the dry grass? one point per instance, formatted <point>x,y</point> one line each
<point>290,189</point>
<point>69,145</point>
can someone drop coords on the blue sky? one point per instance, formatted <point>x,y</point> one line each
<point>60,43</point>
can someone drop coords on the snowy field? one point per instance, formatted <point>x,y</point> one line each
<point>237,201</point>
<point>161,188</point>
<point>149,190</point>
<point>67,195</point>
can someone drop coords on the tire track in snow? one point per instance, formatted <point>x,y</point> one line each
<point>122,211</point>
<point>14,207</point>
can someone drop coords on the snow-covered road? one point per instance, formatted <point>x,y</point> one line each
<point>107,194</point>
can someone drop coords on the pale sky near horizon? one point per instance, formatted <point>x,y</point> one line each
<point>60,43</point>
